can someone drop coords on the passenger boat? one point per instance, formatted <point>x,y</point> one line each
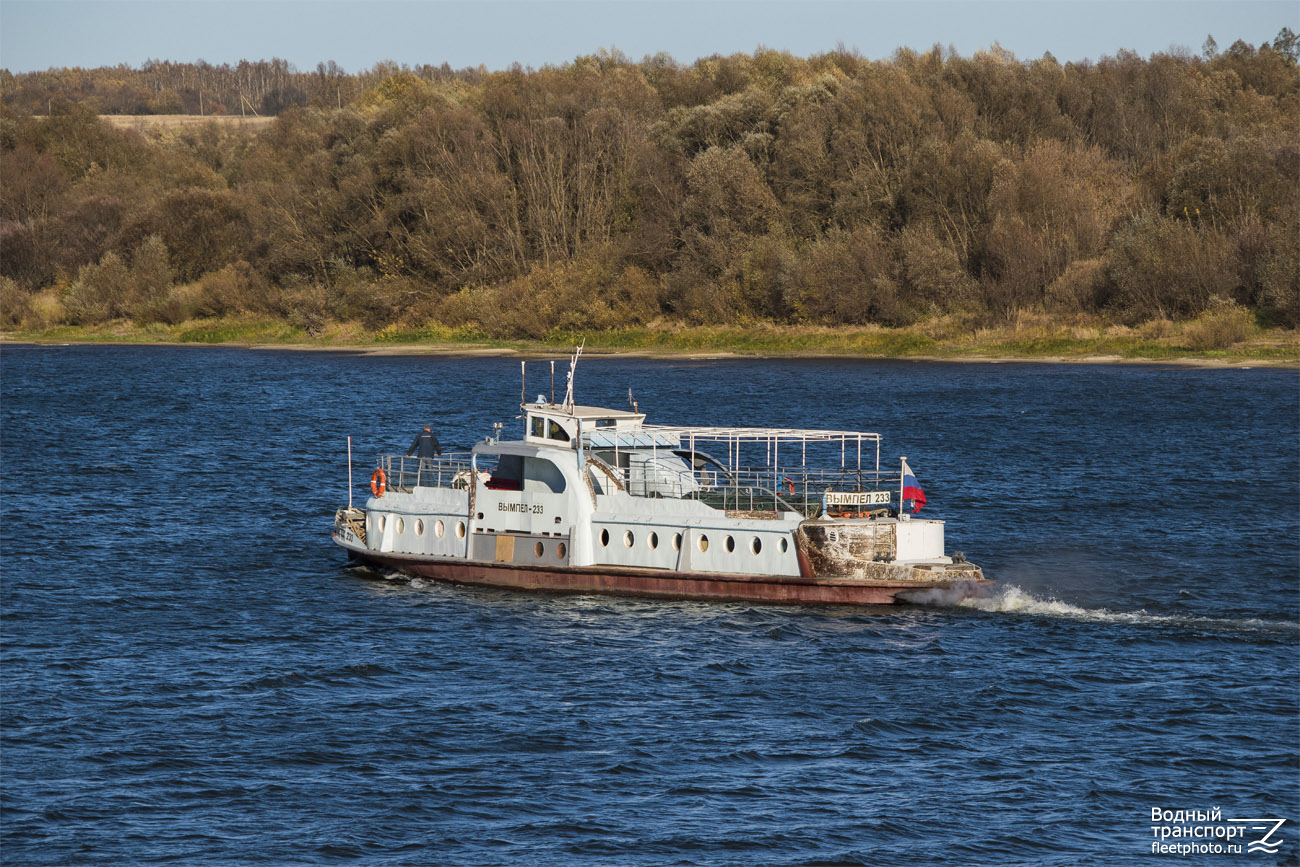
<point>594,500</point>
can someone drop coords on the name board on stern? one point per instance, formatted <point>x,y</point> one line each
<point>857,498</point>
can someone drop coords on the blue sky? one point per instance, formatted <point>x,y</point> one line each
<point>37,34</point>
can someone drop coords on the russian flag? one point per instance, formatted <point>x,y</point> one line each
<point>911,488</point>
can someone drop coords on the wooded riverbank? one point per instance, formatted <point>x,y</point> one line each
<point>1204,342</point>
<point>649,200</point>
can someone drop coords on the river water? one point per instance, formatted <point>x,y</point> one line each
<point>192,673</point>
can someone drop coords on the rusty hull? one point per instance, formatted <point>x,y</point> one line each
<point>877,586</point>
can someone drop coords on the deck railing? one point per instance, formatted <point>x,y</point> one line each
<point>405,473</point>
<point>753,489</point>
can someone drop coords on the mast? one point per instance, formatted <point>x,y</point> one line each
<point>573,365</point>
<point>902,480</point>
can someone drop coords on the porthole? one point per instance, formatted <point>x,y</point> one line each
<point>604,538</point>
<point>439,528</point>
<point>382,521</point>
<point>460,529</point>
<point>628,539</point>
<point>731,545</point>
<point>757,545</point>
<point>677,541</point>
<point>401,525</point>
<point>703,543</point>
<point>560,550</point>
<point>784,545</point>
<point>419,526</point>
<point>539,549</point>
<point>653,540</point>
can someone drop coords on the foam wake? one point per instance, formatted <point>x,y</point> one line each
<point>1013,600</point>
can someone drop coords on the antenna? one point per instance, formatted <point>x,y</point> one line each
<point>631,400</point>
<point>573,365</point>
<point>523,385</point>
<point>552,383</point>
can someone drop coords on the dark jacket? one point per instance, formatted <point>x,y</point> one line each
<point>425,445</point>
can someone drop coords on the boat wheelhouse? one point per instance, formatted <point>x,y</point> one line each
<point>595,500</point>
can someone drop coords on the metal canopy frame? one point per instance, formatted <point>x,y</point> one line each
<point>655,437</point>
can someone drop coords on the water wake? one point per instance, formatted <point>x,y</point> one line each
<point>1013,600</point>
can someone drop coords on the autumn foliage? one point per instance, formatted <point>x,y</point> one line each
<point>608,193</point>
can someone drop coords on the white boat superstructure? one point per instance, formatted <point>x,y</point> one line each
<point>596,500</point>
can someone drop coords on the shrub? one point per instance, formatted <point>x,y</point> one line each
<point>1220,327</point>
<point>564,298</point>
<point>151,279</point>
<point>1166,268</point>
<point>1079,289</point>
<point>1154,329</point>
<point>236,288</point>
<point>181,304</point>
<point>847,279</point>
<point>304,305</point>
<point>1279,291</point>
<point>100,292</point>
<point>15,303</point>
<point>357,295</point>
<point>933,277</point>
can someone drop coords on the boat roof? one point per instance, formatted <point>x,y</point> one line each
<point>639,434</point>
<point>759,434</point>
<point>583,413</point>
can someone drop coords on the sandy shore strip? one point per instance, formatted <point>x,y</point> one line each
<point>462,350</point>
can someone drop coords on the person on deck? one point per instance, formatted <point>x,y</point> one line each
<point>425,444</point>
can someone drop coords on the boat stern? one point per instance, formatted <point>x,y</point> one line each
<point>350,529</point>
<point>880,548</point>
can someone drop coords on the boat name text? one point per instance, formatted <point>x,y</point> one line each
<point>859,498</point>
<point>526,508</point>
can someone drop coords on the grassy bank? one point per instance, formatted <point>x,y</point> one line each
<point>1204,340</point>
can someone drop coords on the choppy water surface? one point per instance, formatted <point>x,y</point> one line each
<point>192,674</point>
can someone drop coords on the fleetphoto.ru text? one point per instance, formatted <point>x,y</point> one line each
<point>1206,832</point>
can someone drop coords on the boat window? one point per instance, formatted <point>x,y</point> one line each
<point>677,541</point>
<point>653,540</point>
<point>606,422</point>
<point>560,551</point>
<point>604,538</point>
<point>401,525</point>
<point>557,433</point>
<point>784,545</point>
<point>542,475</point>
<point>538,426</point>
<point>508,475</point>
<point>756,546</point>
<point>704,543</point>
<point>539,549</point>
<point>460,529</point>
<point>419,527</point>
<point>628,539</point>
<point>731,544</point>
<point>439,528</point>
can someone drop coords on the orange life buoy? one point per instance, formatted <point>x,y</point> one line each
<point>789,485</point>
<point>378,483</point>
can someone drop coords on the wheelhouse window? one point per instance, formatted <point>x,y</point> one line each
<point>555,432</point>
<point>547,429</point>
